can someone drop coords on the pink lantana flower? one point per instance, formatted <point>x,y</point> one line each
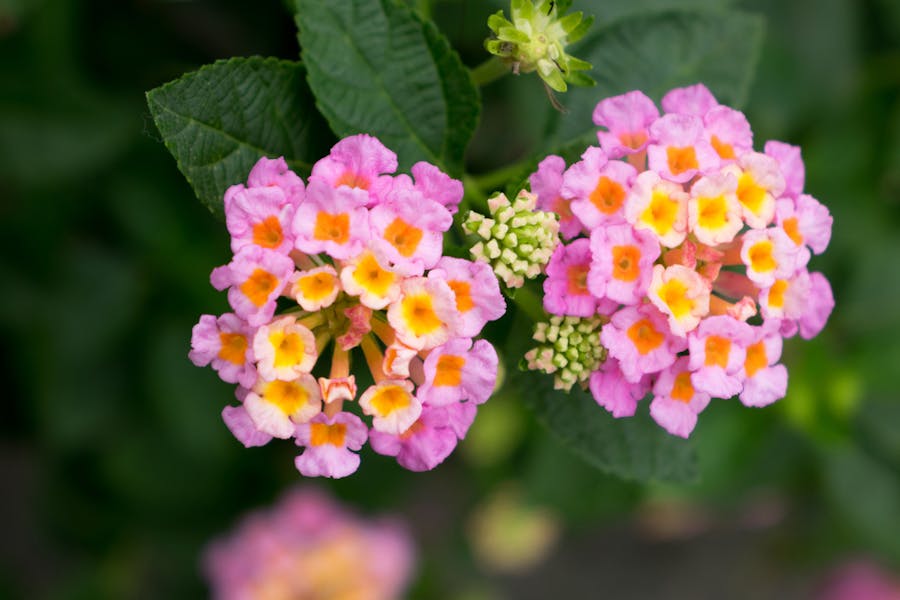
<point>408,230</point>
<point>806,221</point>
<point>369,276</point>
<point>315,288</point>
<point>769,254</point>
<point>821,303</point>
<point>676,401</point>
<point>680,293</point>
<point>627,119</point>
<point>728,132</point>
<point>477,292</point>
<point>714,213</point>
<point>274,172</point>
<point>790,163</point>
<point>717,351</point>
<point>658,206</point>
<point>679,149</point>
<point>436,185</point>
<point>547,183</point>
<point>597,187</point>
<point>333,221</point>
<point>711,236</point>
<point>760,182</point>
<point>764,381</point>
<point>255,278</point>
<point>566,287</point>
<point>307,545</point>
<point>284,349</point>
<point>358,162</point>
<point>694,100</point>
<point>392,405</point>
<point>260,216</point>
<point>354,260</point>
<point>425,315</point>
<point>224,342</point>
<point>640,339</point>
<point>428,441</point>
<point>621,262</point>
<point>277,406</point>
<point>330,444</point>
<point>614,392</point>
<point>243,428</point>
<point>459,370</point>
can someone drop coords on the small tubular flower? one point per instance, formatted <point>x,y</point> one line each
<point>357,275</point>
<point>697,261</point>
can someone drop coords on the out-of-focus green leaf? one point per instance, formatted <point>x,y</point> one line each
<point>657,53</point>
<point>218,121</point>
<point>377,68</point>
<point>867,494</point>
<point>633,448</point>
<point>606,11</point>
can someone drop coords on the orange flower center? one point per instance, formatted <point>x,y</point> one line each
<point>607,196</point>
<point>681,159</point>
<point>258,286</point>
<point>645,337</point>
<point>233,347</point>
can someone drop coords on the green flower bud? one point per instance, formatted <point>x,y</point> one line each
<point>569,348</point>
<point>516,240</point>
<point>535,40</point>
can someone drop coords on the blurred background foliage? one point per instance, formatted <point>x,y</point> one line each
<point>117,468</point>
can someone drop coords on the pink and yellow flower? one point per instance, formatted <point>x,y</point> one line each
<point>704,277</point>
<point>359,250</point>
<point>330,445</point>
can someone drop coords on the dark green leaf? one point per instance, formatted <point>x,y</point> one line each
<point>657,53</point>
<point>377,68</point>
<point>633,448</point>
<point>220,120</point>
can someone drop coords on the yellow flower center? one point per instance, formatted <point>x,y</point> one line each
<point>403,236</point>
<point>267,233</point>
<point>389,398</point>
<point>418,312</point>
<point>288,396</point>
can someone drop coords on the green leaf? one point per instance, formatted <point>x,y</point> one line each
<point>657,53</point>
<point>612,10</point>
<point>633,448</point>
<point>218,121</point>
<point>377,68</point>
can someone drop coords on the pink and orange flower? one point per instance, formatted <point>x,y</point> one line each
<point>350,265</point>
<point>696,248</point>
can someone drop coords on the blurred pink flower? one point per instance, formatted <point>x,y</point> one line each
<point>309,546</point>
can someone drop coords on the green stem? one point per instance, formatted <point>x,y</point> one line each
<point>499,177</point>
<point>489,71</point>
<point>424,8</point>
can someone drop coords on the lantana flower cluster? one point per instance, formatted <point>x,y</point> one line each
<point>691,249</point>
<point>309,546</point>
<point>348,268</point>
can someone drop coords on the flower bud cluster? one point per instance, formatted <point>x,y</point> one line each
<point>516,240</point>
